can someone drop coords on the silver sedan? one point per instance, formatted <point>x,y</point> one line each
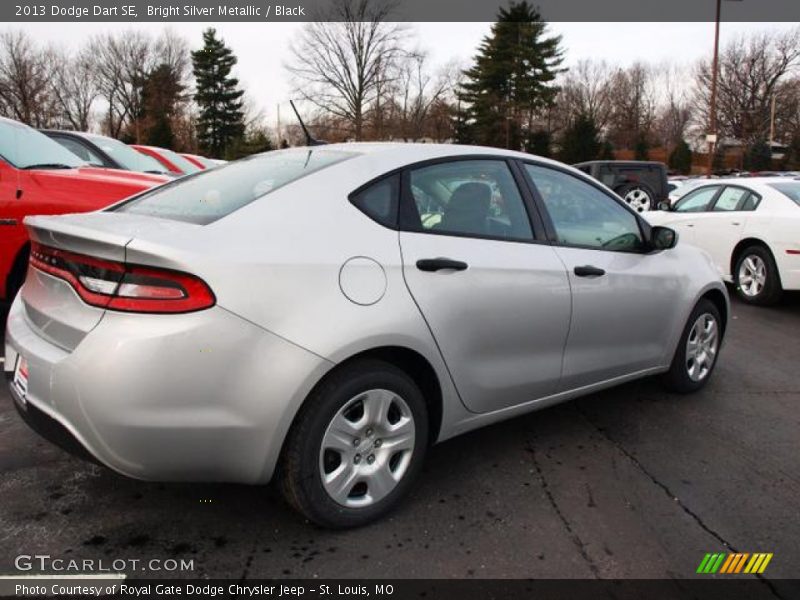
<point>325,314</point>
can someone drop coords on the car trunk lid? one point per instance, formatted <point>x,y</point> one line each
<point>52,305</point>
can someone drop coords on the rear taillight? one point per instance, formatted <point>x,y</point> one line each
<point>119,286</point>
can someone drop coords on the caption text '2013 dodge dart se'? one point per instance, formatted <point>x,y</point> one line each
<point>323,314</point>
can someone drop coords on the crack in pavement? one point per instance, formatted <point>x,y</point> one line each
<point>696,517</point>
<point>576,540</point>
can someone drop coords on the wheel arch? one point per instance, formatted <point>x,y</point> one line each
<point>413,364</point>
<point>741,246</point>
<point>717,298</point>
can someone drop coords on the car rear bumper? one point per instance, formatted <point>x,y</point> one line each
<point>205,396</point>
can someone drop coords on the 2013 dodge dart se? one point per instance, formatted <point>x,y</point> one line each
<point>324,314</point>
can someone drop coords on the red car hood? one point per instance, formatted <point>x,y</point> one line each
<point>111,176</point>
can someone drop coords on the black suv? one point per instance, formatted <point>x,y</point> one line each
<point>642,184</point>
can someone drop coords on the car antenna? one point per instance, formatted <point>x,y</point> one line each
<point>310,141</point>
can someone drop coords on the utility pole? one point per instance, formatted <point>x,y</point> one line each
<point>278,127</point>
<point>712,137</point>
<point>772,123</point>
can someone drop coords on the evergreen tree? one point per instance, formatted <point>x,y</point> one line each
<point>162,94</point>
<point>220,124</point>
<point>254,141</point>
<point>758,156</point>
<point>791,160</point>
<point>641,150</point>
<point>606,151</point>
<point>680,159</point>
<point>512,78</point>
<point>539,143</point>
<point>581,141</point>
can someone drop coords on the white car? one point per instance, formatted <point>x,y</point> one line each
<point>751,229</point>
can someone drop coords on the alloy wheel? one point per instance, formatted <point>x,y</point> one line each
<point>701,347</point>
<point>367,448</point>
<point>752,275</point>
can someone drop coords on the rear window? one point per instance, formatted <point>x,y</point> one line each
<point>209,195</point>
<point>790,189</point>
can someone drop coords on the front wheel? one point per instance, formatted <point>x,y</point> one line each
<point>696,355</point>
<point>756,277</point>
<point>356,446</point>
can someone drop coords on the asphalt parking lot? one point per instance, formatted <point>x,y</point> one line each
<point>632,482</point>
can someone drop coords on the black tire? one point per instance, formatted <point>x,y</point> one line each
<point>299,473</point>
<point>771,292</point>
<point>677,379</point>
<point>630,188</point>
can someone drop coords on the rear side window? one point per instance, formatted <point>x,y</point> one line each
<point>730,198</point>
<point>209,195</point>
<point>379,201</point>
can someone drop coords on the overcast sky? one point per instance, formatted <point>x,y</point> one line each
<point>262,47</point>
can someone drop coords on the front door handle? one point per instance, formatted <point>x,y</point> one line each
<point>589,271</point>
<point>440,264</point>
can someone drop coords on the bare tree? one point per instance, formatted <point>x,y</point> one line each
<point>674,107</point>
<point>586,90</point>
<point>24,79</point>
<point>416,92</point>
<point>123,63</point>
<point>74,88</point>
<point>751,71</point>
<point>340,63</point>
<point>633,98</point>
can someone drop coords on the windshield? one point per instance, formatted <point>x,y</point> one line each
<point>126,156</point>
<point>26,148</point>
<point>791,189</point>
<point>210,195</point>
<point>177,160</point>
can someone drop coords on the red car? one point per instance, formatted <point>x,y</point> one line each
<point>200,161</point>
<point>38,176</point>
<point>174,162</point>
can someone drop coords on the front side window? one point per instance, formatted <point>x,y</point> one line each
<point>730,198</point>
<point>698,200</point>
<point>583,215</point>
<point>216,193</point>
<point>469,197</point>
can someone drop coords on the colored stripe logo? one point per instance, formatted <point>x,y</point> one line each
<point>732,564</point>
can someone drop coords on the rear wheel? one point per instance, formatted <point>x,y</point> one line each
<point>756,277</point>
<point>356,445</point>
<point>696,355</point>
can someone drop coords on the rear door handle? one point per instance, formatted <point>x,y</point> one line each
<point>589,271</point>
<point>440,264</point>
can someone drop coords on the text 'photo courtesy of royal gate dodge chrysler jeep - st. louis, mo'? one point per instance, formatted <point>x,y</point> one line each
<point>321,315</point>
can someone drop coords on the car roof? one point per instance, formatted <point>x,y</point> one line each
<point>757,183</point>
<point>409,153</point>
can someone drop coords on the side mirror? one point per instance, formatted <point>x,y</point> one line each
<point>664,205</point>
<point>663,238</point>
